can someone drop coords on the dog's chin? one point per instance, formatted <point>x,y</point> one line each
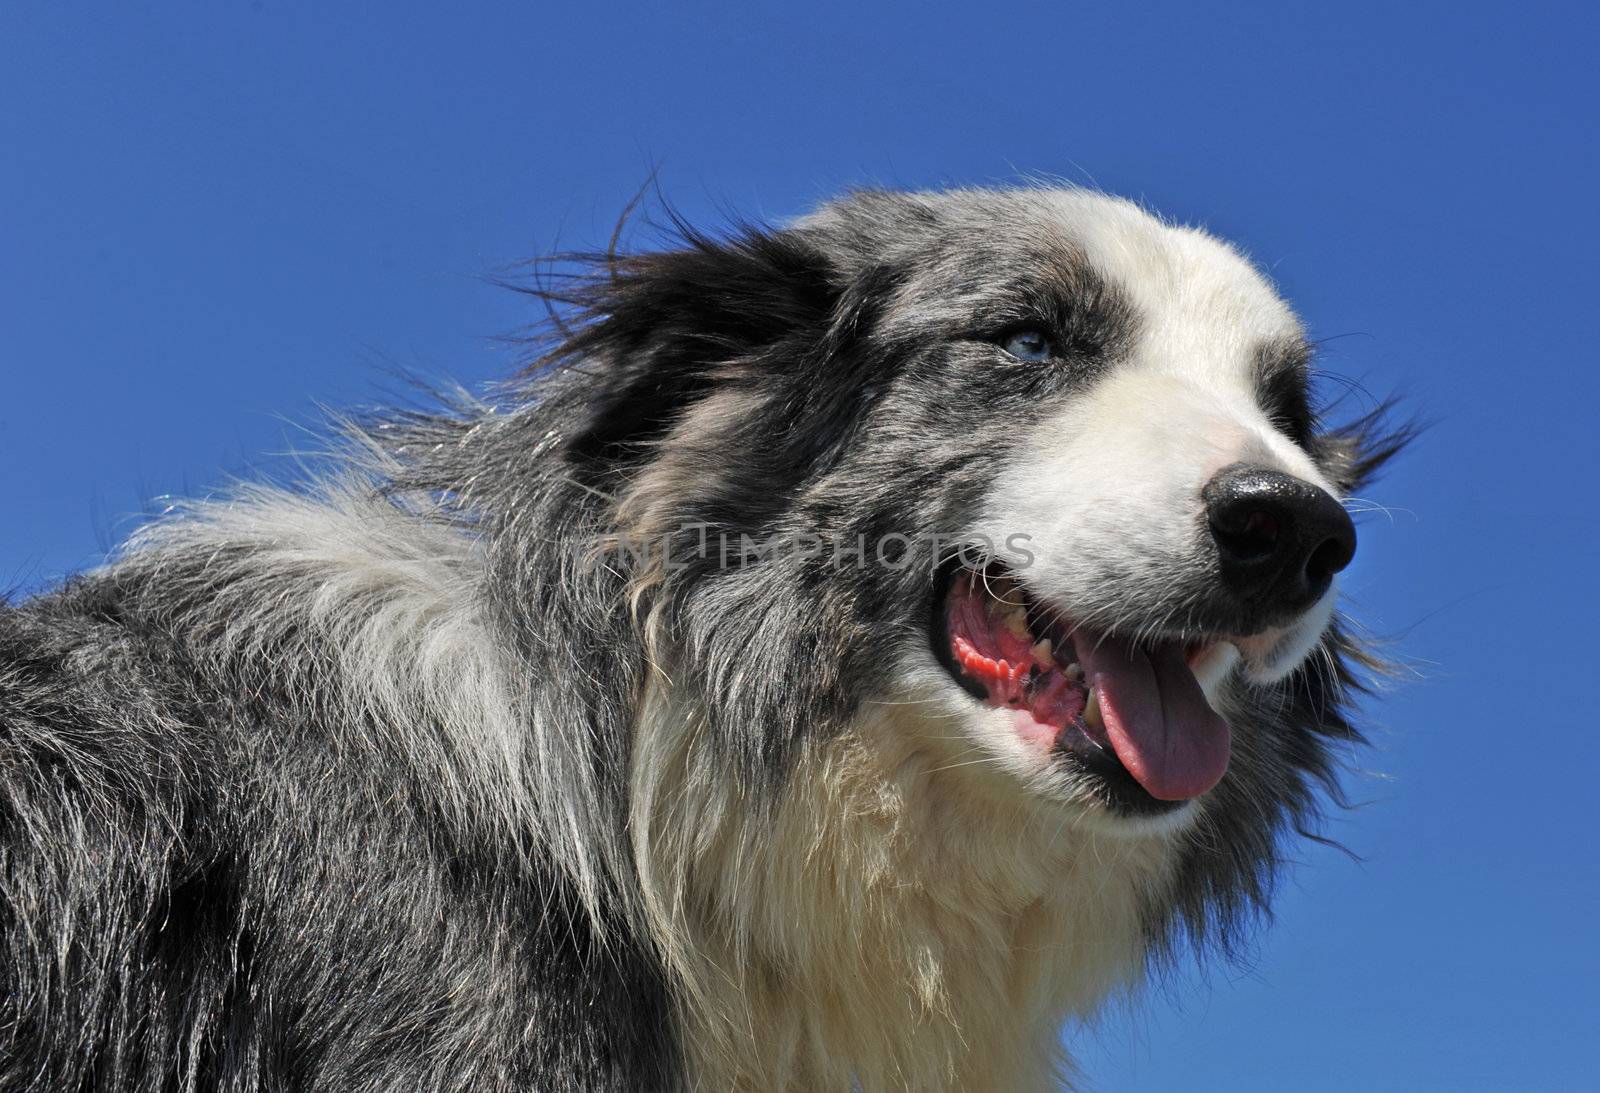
<point>1274,654</point>
<point>1126,733</point>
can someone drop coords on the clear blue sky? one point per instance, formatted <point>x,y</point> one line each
<point>214,216</point>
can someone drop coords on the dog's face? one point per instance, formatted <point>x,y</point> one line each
<point>1033,459</point>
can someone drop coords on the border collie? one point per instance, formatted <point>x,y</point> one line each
<point>848,652</point>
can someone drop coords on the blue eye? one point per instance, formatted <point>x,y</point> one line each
<point>1029,345</point>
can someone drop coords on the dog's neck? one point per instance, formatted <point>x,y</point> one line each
<point>895,925</point>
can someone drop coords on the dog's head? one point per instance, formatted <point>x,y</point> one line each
<point>1034,460</point>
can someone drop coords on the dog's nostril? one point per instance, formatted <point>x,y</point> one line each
<point>1331,556</point>
<point>1256,539</point>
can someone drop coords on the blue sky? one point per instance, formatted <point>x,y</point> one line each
<point>214,217</point>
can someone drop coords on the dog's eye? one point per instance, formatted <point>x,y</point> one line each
<point>1029,345</point>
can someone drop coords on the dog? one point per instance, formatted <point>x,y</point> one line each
<point>845,653</point>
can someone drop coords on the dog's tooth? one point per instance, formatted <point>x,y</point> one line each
<point>1073,672</point>
<point>1017,622</point>
<point>1091,712</point>
<point>1042,650</point>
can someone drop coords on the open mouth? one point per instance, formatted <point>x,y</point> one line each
<point>1131,713</point>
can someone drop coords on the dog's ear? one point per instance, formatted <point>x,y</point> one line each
<point>1351,455</point>
<point>656,331</point>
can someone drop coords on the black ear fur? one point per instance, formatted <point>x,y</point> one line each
<point>1354,453</point>
<point>657,330</point>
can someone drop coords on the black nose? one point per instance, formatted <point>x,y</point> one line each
<point>1279,539</point>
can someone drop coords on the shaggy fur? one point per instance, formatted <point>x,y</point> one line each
<point>426,776</point>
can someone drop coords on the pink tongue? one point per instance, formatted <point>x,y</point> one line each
<point>1156,716</point>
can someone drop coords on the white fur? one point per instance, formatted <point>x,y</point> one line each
<point>908,920</point>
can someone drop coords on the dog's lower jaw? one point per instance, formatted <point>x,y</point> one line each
<point>891,927</point>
